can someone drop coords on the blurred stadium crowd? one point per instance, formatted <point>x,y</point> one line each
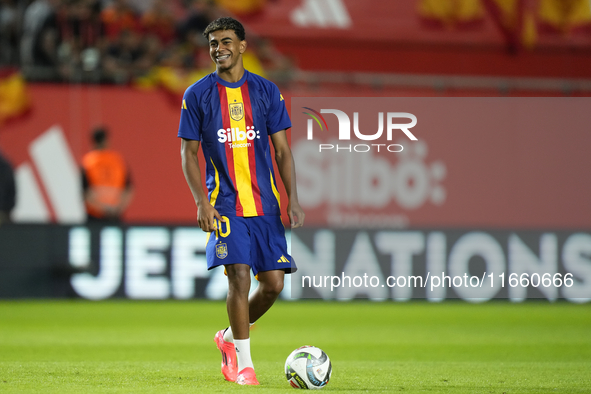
<point>147,42</point>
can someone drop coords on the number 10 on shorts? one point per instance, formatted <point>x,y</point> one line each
<point>219,227</point>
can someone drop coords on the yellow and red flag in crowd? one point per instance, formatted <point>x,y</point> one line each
<point>14,100</point>
<point>520,21</point>
<point>242,8</point>
<point>451,13</point>
<point>516,20</point>
<point>565,17</point>
<point>523,20</point>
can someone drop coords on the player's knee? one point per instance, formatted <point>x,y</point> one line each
<point>273,289</point>
<point>238,277</point>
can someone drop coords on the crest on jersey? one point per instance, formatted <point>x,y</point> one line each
<point>221,250</point>
<point>236,111</point>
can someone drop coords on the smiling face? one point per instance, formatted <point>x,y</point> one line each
<point>226,49</point>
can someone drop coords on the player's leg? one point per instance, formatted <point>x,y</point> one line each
<point>237,301</point>
<point>238,314</point>
<point>268,259</point>
<point>270,262</point>
<point>229,246</point>
<point>262,298</point>
<point>259,302</point>
<point>266,293</point>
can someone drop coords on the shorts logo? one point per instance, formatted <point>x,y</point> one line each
<point>236,111</point>
<point>221,250</point>
<point>283,259</point>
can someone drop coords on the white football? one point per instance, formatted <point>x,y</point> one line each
<point>308,367</point>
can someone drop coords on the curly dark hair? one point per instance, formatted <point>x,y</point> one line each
<point>226,23</point>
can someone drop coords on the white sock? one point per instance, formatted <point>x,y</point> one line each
<point>243,353</point>
<point>228,336</point>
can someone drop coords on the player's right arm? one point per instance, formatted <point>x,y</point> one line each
<point>206,213</point>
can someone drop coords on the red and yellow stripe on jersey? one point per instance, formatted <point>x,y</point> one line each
<point>240,157</point>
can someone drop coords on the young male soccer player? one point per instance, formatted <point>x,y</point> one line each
<point>232,113</point>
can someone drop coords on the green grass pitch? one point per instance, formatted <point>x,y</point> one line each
<point>167,347</point>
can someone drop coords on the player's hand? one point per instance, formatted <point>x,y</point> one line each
<point>206,215</point>
<point>296,214</point>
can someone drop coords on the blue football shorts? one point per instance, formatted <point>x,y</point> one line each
<point>257,241</point>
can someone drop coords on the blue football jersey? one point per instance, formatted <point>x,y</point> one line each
<point>233,122</point>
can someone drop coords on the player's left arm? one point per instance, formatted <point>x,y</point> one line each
<point>286,167</point>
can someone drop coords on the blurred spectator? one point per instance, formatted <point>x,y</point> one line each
<point>199,14</point>
<point>159,21</point>
<point>188,60</point>
<point>8,32</point>
<point>34,18</point>
<point>81,36</point>
<point>120,16</point>
<point>193,49</point>
<point>130,56</point>
<point>105,180</point>
<point>141,6</point>
<point>62,37</point>
<point>7,190</point>
<point>158,41</point>
<point>46,41</point>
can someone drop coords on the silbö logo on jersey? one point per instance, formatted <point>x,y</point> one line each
<point>238,138</point>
